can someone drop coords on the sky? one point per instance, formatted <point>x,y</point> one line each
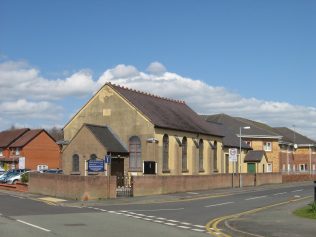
<point>254,59</point>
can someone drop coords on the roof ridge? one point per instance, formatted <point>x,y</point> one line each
<point>147,93</point>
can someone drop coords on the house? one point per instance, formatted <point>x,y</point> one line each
<point>256,135</point>
<point>31,149</point>
<point>256,161</point>
<point>92,142</point>
<point>297,152</point>
<point>164,136</point>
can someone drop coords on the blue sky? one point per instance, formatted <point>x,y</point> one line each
<point>255,59</point>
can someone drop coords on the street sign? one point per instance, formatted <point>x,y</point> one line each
<point>233,154</point>
<point>107,159</point>
<point>95,165</point>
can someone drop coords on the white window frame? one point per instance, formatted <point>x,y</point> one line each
<point>17,151</point>
<point>267,147</point>
<point>269,168</point>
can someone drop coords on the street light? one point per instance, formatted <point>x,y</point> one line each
<point>240,128</point>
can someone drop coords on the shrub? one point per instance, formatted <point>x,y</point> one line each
<point>313,207</point>
<point>25,178</point>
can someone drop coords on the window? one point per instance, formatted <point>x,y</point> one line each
<point>267,146</point>
<point>215,157</point>
<point>17,151</point>
<point>303,167</point>
<point>184,155</point>
<point>75,163</point>
<point>1,152</point>
<point>201,148</point>
<point>165,153</point>
<point>269,168</point>
<point>135,153</point>
<point>248,143</point>
<point>93,157</point>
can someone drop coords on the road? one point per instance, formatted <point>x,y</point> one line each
<point>22,216</point>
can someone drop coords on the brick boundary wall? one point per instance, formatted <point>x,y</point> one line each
<point>289,178</point>
<point>155,185</point>
<point>73,187</point>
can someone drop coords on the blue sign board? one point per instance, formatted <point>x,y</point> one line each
<point>95,165</point>
<point>107,159</point>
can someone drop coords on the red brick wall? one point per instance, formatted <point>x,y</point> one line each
<point>73,187</point>
<point>153,185</point>
<point>42,150</point>
<point>298,178</point>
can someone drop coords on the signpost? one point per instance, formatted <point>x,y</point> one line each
<point>233,158</point>
<point>107,161</point>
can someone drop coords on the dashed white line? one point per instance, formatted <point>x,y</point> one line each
<point>35,226</point>
<point>199,226</point>
<point>172,224</point>
<point>158,221</point>
<point>198,230</point>
<point>279,193</point>
<point>172,220</point>
<point>299,190</point>
<point>255,197</point>
<point>183,227</point>
<point>185,223</point>
<point>219,204</point>
<point>194,193</point>
<point>147,219</point>
<point>161,218</point>
<point>166,209</point>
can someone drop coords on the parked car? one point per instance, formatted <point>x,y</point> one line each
<point>15,177</point>
<point>53,171</point>
<point>5,175</point>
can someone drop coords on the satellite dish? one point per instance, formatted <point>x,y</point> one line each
<point>295,146</point>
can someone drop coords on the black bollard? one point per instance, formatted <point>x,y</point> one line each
<point>315,191</point>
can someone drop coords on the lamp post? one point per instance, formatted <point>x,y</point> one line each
<point>240,128</point>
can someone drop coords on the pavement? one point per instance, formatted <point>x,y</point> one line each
<point>273,222</point>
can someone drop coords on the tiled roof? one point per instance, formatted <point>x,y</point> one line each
<point>289,134</point>
<point>167,113</point>
<point>107,138</point>
<point>26,138</point>
<point>255,156</point>
<point>9,136</point>
<point>234,124</point>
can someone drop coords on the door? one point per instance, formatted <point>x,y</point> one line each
<point>251,167</point>
<point>117,167</point>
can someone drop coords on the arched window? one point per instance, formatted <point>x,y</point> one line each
<point>93,157</point>
<point>75,163</point>
<point>165,153</point>
<point>215,157</point>
<point>184,155</point>
<point>135,153</point>
<point>201,148</point>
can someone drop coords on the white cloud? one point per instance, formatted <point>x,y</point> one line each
<point>206,99</point>
<point>20,80</point>
<point>24,93</point>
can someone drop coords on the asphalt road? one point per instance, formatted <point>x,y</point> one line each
<point>182,216</point>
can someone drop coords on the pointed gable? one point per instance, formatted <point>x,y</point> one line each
<point>167,113</point>
<point>9,136</point>
<point>26,138</point>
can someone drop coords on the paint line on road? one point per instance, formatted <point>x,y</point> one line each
<point>276,194</point>
<point>185,223</point>
<point>194,193</point>
<point>184,227</point>
<point>157,221</point>
<point>35,226</point>
<point>298,190</point>
<point>172,224</point>
<point>198,230</point>
<point>172,220</point>
<point>255,198</point>
<point>199,226</point>
<point>165,209</point>
<point>219,204</point>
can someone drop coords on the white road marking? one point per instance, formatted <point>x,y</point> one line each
<point>255,197</point>
<point>172,224</point>
<point>199,226</point>
<point>172,220</point>
<point>185,223</point>
<point>198,230</point>
<point>183,227</point>
<point>192,193</point>
<point>161,218</point>
<point>170,209</point>
<point>35,226</point>
<point>137,217</point>
<point>140,214</point>
<point>299,190</point>
<point>102,210</point>
<point>158,221</point>
<point>147,219</point>
<point>151,216</point>
<point>219,204</point>
<point>279,193</point>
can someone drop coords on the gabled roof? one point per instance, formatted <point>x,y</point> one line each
<point>107,138</point>
<point>26,138</point>
<point>167,113</point>
<point>255,156</point>
<point>257,130</point>
<point>291,136</point>
<point>9,136</point>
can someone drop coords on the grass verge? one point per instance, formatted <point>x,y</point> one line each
<point>307,212</point>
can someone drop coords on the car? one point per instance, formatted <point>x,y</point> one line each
<point>5,175</point>
<point>15,177</point>
<point>53,171</point>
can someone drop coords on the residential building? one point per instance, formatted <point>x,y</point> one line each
<point>163,136</point>
<point>31,149</point>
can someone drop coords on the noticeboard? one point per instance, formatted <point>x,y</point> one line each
<point>232,155</point>
<point>95,165</point>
